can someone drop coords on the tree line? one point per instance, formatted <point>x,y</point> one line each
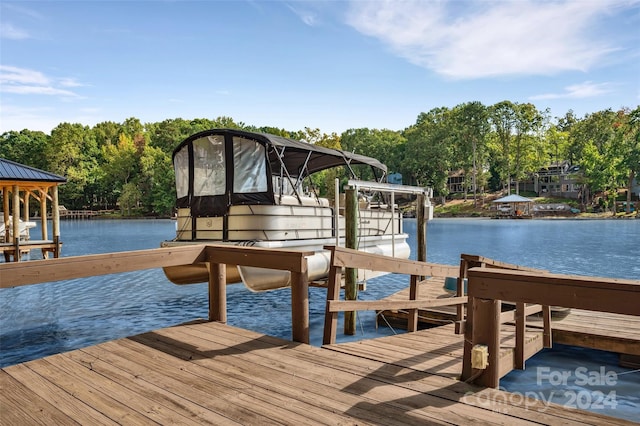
<point>128,165</point>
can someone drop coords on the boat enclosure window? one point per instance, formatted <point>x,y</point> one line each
<point>222,167</point>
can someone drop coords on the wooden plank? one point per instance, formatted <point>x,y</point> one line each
<point>40,411</point>
<point>133,376</point>
<point>375,262</point>
<point>306,364</point>
<point>306,382</point>
<point>475,260</point>
<point>383,305</point>
<point>63,401</point>
<point>214,391</point>
<point>150,408</point>
<point>258,257</point>
<point>39,271</point>
<point>213,373</point>
<point>584,282</point>
<point>457,394</point>
<point>86,393</point>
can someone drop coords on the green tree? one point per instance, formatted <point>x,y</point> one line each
<point>628,131</point>
<point>503,120</point>
<point>129,199</point>
<point>25,147</point>
<point>516,141</point>
<point>158,180</point>
<point>470,127</point>
<point>428,152</point>
<point>72,152</point>
<point>121,166</point>
<point>600,148</point>
<point>384,145</point>
<point>529,142</point>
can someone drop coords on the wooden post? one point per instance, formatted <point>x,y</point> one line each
<point>486,331</point>
<point>421,232</point>
<point>521,328</point>
<point>5,211</point>
<point>351,274</point>
<point>55,212</point>
<point>16,216</point>
<point>333,293</point>
<point>43,221</point>
<point>25,210</point>
<point>300,306</point>
<point>546,321</point>
<point>461,323</point>
<point>217,292</point>
<point>467,344</point>
<point>412,320</point>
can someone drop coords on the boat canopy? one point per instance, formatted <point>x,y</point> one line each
<point>221,167</point>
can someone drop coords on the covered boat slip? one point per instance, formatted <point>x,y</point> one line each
<point>20,184</point>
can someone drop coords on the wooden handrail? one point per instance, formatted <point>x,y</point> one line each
<point>216,256</point>
<point>468,261</point>
<point>348,258</point>
<point>487,288</point>
<point>66,268</point>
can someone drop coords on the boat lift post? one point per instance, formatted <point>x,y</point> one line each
<point>423,214</point>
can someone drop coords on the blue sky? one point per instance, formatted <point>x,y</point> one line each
<point>331,65</point>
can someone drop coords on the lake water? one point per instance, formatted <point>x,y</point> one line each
<point>45,319</point>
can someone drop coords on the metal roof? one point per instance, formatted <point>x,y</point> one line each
<point>513,198</point>
<point>10,170</point>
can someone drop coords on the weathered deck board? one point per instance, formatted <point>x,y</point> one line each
<point>210,373</point>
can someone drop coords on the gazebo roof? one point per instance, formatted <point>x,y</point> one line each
<point>12,171</point>
<point>513,198</point>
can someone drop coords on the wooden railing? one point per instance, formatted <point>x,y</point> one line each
<point>468,261</point>
<point>348,258</point>
<point>216,256</point>
<point>488,287</point>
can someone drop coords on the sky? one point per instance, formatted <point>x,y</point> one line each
<point>327,65</point>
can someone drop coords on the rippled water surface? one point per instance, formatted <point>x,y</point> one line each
<point>45,319</point>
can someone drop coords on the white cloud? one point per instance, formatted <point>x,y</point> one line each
<point>488,38</point>
<point>15,75</point>
<point>36,90</point>
<point>587,89</point>
<point>70,82</point>
<point>8,31</point>
<point>23,81</point>
<point>308,17</point>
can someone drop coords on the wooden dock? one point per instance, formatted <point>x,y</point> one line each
<point>577,327</point>
<point>211,373</point>
<point>208,372</point>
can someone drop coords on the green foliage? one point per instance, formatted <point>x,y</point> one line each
<point>130,163</point>
<point>25,147</point>
<point>428,152</point>
<point>129,199</point>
